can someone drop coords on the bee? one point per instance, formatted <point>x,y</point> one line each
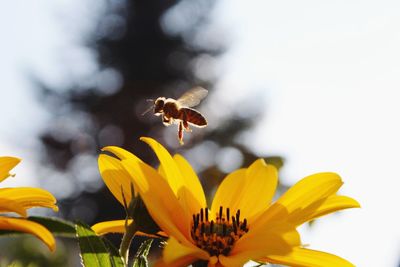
<point>180,111</point>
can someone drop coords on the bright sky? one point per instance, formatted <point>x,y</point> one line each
<point>331,73</point>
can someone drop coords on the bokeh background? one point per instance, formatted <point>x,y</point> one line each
<point>310,85</point>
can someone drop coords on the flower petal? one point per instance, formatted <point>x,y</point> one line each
<point>117,226</point>
<point>196,193</point>
<point>120,152</point>
<point>228,190</point>
<point>257,189</point>
<point>26,226</point>
<point>116,178</point>
<point>323,207</point>
<point>302,257</point>
<point>160,200</point>
<point>250,190</point>
<point>174,177</point>
<point>7,205</point>
<point>278,238</point>
<point>178,254</point>
<point>6,164</point>
<point>30,197</point>
<point>303,194</point>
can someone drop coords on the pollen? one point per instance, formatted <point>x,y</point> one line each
<point>217,237</point>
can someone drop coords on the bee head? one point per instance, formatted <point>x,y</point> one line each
<point>159,105</point>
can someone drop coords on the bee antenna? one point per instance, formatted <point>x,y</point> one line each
<point>147,110</point>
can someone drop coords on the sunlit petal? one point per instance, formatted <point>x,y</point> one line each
<point>308,258</point>
<point>6,164</point>
<point>116,178</point>
<point>173,175</point>
<point>160,200</point>
<point>175,252</point>
<point>196,193</point>
<point>30,197</point>
<point>228,190</point>
<point>304,193</point>
<point>22,225</point>
<point>120,152</point>
<point>278,238</point>
<point>257,189</point>
<point>250,190</point>
<point>117,226</point>
<point>320,208</point>
<point>7,205</point>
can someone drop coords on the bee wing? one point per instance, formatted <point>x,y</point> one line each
<point>192,97</point>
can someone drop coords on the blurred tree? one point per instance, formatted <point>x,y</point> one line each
<point>137,60</point>
<point>145,49</point>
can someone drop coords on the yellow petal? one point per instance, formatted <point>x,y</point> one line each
<point>173,176</point>
<point>116,178</point>
<point>304,193</point>
<point>258,189</point>
<point>22,225</point>
<point>308,258</point>
<point>117,226</point>
<point>120,152</point>
<point>190,179</point>
<point>6,164</point>
<point>278,238</point>
<point>160,200</point>
<point>323,207</point>
<point>8,205</point>
<point>30,197</point>
<point>177,254</point>
<point>228,190</point>
<point>251,190</point>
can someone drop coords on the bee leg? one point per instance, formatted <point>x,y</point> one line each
<point>185,123</point>
<point>180,133</point>
<point>166,121</point>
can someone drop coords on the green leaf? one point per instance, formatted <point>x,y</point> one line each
<point>140,259</point>
<point>115,257</point>
<point>56,226</point>
<point>94,252</point>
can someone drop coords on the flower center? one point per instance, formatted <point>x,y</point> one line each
<point>217,237</point>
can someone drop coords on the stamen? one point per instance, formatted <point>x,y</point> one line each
<point>217,237</point>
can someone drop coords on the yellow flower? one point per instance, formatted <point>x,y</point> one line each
<point>19,200</point>
<point>242,224</point>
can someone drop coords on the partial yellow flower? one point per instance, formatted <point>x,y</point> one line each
<point>19,200</point>
<point>242,224</point>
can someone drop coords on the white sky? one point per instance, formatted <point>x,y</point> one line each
<point>332,73</point>
<point>330,69</point>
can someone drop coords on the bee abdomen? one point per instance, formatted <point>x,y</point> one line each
<point>192,116</point>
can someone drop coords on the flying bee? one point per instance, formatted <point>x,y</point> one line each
<point>180,112</point>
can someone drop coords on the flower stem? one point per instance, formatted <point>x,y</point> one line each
<point>130,231</point>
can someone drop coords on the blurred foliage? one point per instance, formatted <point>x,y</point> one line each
<point>26,250</point>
